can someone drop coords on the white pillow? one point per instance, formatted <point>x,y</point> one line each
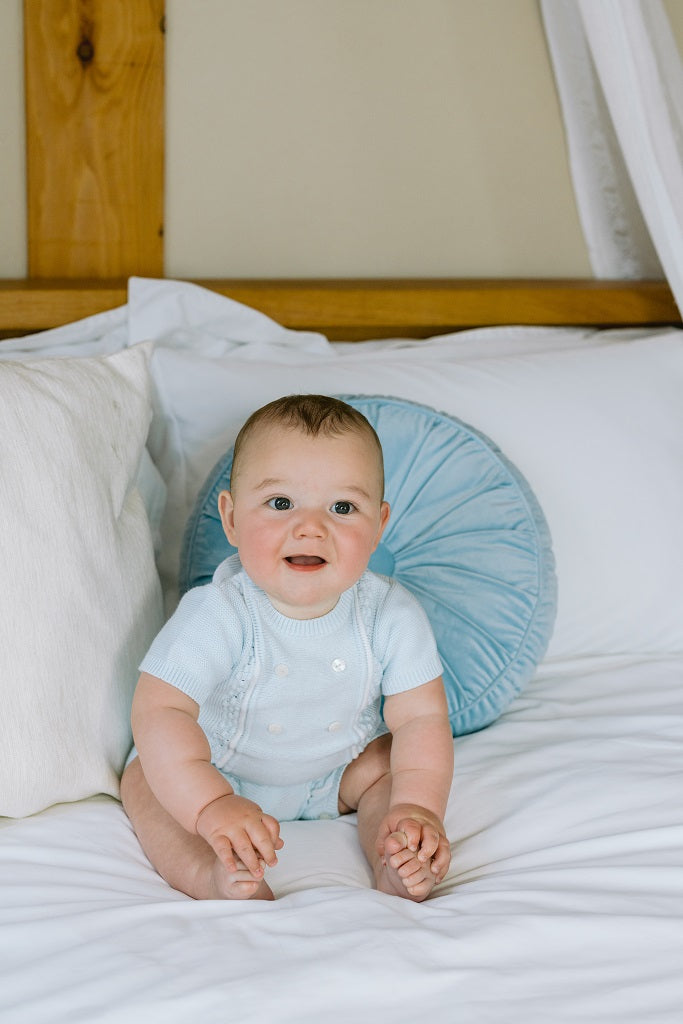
<point>179,315</point>
<point>98,335</point>
<point>596,429</point>
<point>80,600</point>
<point>186,315</point>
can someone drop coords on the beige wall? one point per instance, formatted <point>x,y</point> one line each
<point>347,138</point>
<point>368,137</point>
<point>12,193</point>
<point>674,9</point>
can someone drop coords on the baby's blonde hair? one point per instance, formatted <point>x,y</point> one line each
<point>315,415</point>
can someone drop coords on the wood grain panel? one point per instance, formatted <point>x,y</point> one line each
<point>418,308</point>
<point>95,133</point>
<point>370,308</point>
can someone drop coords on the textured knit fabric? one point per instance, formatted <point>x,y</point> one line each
<point>287,700</point>
<point>80,599</point>
<point>304,801</point>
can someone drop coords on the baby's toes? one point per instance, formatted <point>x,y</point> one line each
<point>412,871</point>
<point>243,875</point>
<point>243,890</point>
<point>239,884</point>
<point>405,862</point>
<point>420,889</point>
<point>395,843</point>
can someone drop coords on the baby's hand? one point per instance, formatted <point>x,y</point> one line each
<point>236,827</point>
<point>425,836</point>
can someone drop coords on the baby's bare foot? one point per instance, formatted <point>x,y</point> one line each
<point>222,884</point>
<point>402,873</point>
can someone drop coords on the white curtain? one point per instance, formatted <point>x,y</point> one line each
<point>620,81</point>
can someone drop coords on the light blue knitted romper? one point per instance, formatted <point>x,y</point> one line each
<point>286,703</point>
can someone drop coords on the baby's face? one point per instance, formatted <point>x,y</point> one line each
<point>305,513</point>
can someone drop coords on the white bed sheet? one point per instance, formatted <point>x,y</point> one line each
<point>564,902</point>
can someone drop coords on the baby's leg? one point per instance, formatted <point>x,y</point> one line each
<point>398,870</point>
<point>184,860</point>
<point>366,787</point>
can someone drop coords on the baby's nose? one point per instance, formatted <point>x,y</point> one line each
<point>310,524</point>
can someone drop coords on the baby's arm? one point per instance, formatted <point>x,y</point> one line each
<point>421,770</point>
<point>176,759</point>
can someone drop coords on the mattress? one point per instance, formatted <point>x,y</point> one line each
<point>564,901</point>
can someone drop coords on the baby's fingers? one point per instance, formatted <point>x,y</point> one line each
<point>412,831</point>
<point>222,847</point>
<point>441,859</point>
<point>245,850</point>
<point>429,843</point>
<point>262,841</point>
<point>273,827</point>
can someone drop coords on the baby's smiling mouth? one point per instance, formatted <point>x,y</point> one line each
<point>305,561</point>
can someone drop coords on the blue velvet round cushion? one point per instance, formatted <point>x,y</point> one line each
<point>466,536</point>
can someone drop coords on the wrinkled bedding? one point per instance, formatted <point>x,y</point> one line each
<point>564,901</point>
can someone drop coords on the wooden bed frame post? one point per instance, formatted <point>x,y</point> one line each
<point>94,74</point>
<point>94,137</point>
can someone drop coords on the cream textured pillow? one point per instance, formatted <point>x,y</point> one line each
<point>80,597</point>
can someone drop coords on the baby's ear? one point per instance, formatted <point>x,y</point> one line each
<point>384,514</point>
<point>226,510</point>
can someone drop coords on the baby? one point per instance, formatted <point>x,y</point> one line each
<point>259,701</point>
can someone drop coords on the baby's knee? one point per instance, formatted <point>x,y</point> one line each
<point>368,769</point>
<point>375,762</point>
<point>129,779</point>
<point>134,790</point>
<point>378,756</point>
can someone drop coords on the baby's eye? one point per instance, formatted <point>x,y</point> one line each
<point>343,508</point>
<point>280,504</point>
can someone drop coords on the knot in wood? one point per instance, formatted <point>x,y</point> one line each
<point>85,51</point>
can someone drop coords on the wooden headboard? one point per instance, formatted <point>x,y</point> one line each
<point>94,75</point>
<point>357,309</point>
